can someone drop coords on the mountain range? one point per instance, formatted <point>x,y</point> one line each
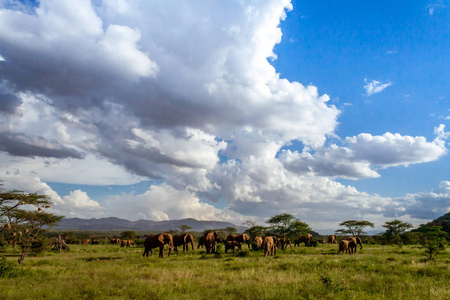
<point>116,224</point>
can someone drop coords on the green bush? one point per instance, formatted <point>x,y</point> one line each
<point>6,268</point>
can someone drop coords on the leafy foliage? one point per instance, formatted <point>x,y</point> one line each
<point>354,227</point>
<point>128,235</point>
<point>6,267</point>
<point>184,228</point>
<point>394,229</point>
<point>286,225</point>
<point>255,231</point>
<point>23,218</point>
<point>230,229</point>
<point>443,221</point>
<point>433,240</point>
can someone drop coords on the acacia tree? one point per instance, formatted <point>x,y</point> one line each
<point>394,228</point>
<point>354,227</point>
<point>286,225</point>
<point>230,229</point>
<point>23,217</point>
<point>184,228</point>
<point>255,231</point>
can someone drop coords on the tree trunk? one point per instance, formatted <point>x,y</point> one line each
<point>24,254</point>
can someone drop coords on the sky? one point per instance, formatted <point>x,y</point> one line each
<point>228,110</point>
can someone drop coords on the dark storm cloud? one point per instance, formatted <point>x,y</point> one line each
<point>9,103</point>
<point>23,145</point>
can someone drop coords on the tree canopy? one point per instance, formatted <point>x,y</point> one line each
<point>396,227</point>
<point>184,228</point>
<point>128,235</point>
<point>354,227</point>
<point>286,225</point>
<point>23,217</point>
<point>230,230</point>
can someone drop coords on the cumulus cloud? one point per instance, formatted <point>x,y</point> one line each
<point>116,92</point>
<point>362,155</point>
<point>374,87</point>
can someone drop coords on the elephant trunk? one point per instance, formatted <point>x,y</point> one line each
<point>170,248</point>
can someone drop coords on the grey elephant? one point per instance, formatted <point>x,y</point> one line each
<point>332,239</point>
<point>346,246</point>
<point>230,245</point>
<point>240,238</point>
<point>210,240</point>
<point>270,245</point>
<point>158,241</point>
<point>183,240</point>
<point>355,241</point>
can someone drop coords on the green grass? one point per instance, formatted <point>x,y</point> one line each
<point>111,272</point>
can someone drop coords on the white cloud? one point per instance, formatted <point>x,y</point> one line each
<point>374,87</point>
<point>362,155</point>
<point>117,92</point>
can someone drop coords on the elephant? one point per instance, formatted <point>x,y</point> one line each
<point>346,246</point>
<point>126,243</point>
<point>283,243</point>
<point>210,241</point>
<point>158,240</point>
<point>115,241</point>
<point>201,241</point>
<point>183,240</point>
<point>270,245</point>
<point>332,239</point>
<point>257,243</point>
<point>189,241</point>
<point>356,241</point>
<point>240,238</point>
<point>307,239</point>
<point>229,245</point>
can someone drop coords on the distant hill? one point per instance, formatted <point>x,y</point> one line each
<point>116,224</point>
<point>443,221</point>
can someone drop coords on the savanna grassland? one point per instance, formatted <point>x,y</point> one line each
<point>111,272</point>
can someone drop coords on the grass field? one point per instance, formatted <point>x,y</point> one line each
<point>107,271</point>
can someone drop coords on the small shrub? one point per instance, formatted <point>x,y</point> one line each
<point>219,251</point>
<point>7,268</point>
<point>330,286</point>
<point>433,241</point>
<point>243,254</point>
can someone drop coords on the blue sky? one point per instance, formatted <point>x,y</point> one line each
<point>234,111</point>
<point>337,46</point>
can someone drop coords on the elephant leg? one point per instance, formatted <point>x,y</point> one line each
<point>161,251</point>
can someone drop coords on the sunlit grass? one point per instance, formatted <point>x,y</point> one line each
<point>106,271</point>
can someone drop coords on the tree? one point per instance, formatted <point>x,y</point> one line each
<point>184,228</point>
<point>128,235</point>
<point>249,223</point>
<point>286,225</point>
<point>23,217</point>
<point>230,229</point>
<point>433,240</point>
<point>255,231</point>
<point>394,228</point>
<point>354,227</point>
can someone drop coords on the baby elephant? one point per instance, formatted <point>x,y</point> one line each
<point>229,245</point>
<point>346,246</point>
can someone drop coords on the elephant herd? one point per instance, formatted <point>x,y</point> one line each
<point>210,240</point>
